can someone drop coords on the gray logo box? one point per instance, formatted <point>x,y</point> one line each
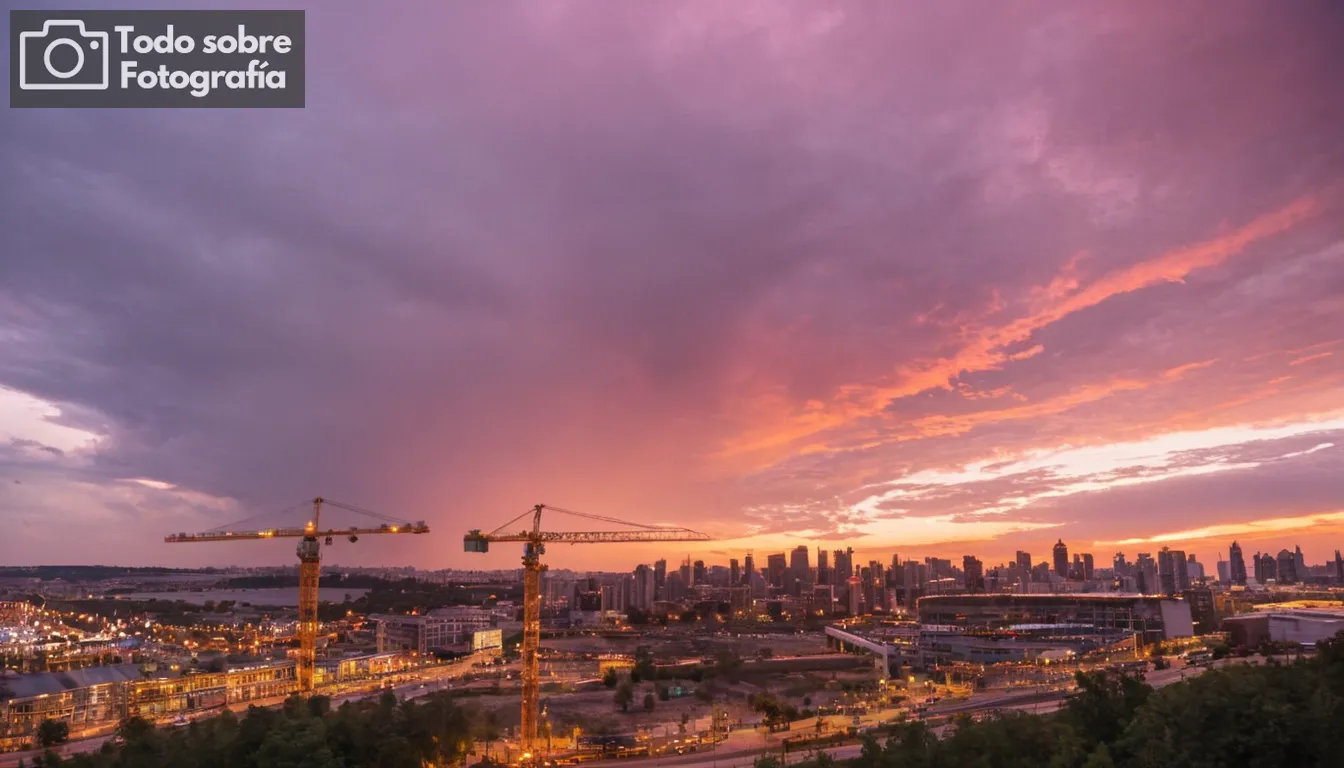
<point>156,59</point>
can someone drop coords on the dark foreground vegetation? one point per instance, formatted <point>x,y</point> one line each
<point>1244,716</point>
<point>303,734</point>
<point>1247,716</point>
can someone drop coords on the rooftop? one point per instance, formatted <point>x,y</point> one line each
<point>43,683</point>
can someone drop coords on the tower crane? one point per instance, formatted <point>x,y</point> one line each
<point>310,559</point>
<point>534,542</point>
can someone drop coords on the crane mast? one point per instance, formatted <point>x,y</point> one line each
<point>309,552</point>
<point>534,541</point>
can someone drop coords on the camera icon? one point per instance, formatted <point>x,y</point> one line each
<point>64,56</point>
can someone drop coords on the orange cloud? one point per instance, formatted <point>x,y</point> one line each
<point>1309,358</point>
<point>1268,527</point>
<point>986,349</point>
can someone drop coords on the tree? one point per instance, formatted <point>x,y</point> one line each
<point>648,702</point>
<point>610,678</point>
<point>625,695</point>
<point>53,732</point>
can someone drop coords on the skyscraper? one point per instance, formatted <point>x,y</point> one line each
<point>1061,559</point>
<point>823,566</point>
<point>643,587</point>
<point>844,565</point>
<point>1287,563</point>
<point>1166,572</point>
<point>1024,565</point>
<point>975,573</point>
<point>1237,564</point>
<point>1088,566</point>
<point>776,566</point>
<point>1194,567</point>
<point>660,579</point>
<point>1146,573</point>
<point>1339,567</point>
<point>749,569</point>
<point>1265,568</point>
<point>734,572</point>
<point>800,571</point>
<point>1181,568</point>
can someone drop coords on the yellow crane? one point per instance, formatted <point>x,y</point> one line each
<point>310,560</point>
<point>534,542</point>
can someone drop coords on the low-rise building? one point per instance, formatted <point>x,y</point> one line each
<point>1152,618</point>
<point>1302,626</point>
<point>95,699</point>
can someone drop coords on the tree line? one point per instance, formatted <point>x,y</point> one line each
<point>433,731</point>
<point>1248,715</point>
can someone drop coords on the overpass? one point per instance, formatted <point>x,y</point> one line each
<point>884,652</point>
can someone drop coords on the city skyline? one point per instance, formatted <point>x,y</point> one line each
<point>785,275</point>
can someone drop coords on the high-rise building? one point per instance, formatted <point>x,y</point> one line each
<point>1224,571</point>
<point>1299,564</point>
<point>939,568</point>
<point>974,572</point>
<point>734,572</point>
<point>1237,564</point>
<point>1194,568</point>
<point>676,586</point>
<point>1287,564</point>
<point>1088,566</point>
<point>1266,568</point>
<point>800,571</point>
<point>700,575</point>
<point>854,596</point>
<point>1145,573</point>
<point>1024,565</point>
<point>686,580</point>
<point>660,579</point>
<point>613,596</point>
<point>844,565</point>
<point>1061,559</point>
<point>643,588</point>
<point>1119,565</point>
<point>749,569</point>
<point>823,566</point>
<point>1181,566</point>
<point>776,566</point>
<point>1166,572</point>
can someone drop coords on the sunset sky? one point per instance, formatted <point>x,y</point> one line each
<point>928,278</point>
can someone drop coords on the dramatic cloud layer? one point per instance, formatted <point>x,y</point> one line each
<point>932,278</point>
